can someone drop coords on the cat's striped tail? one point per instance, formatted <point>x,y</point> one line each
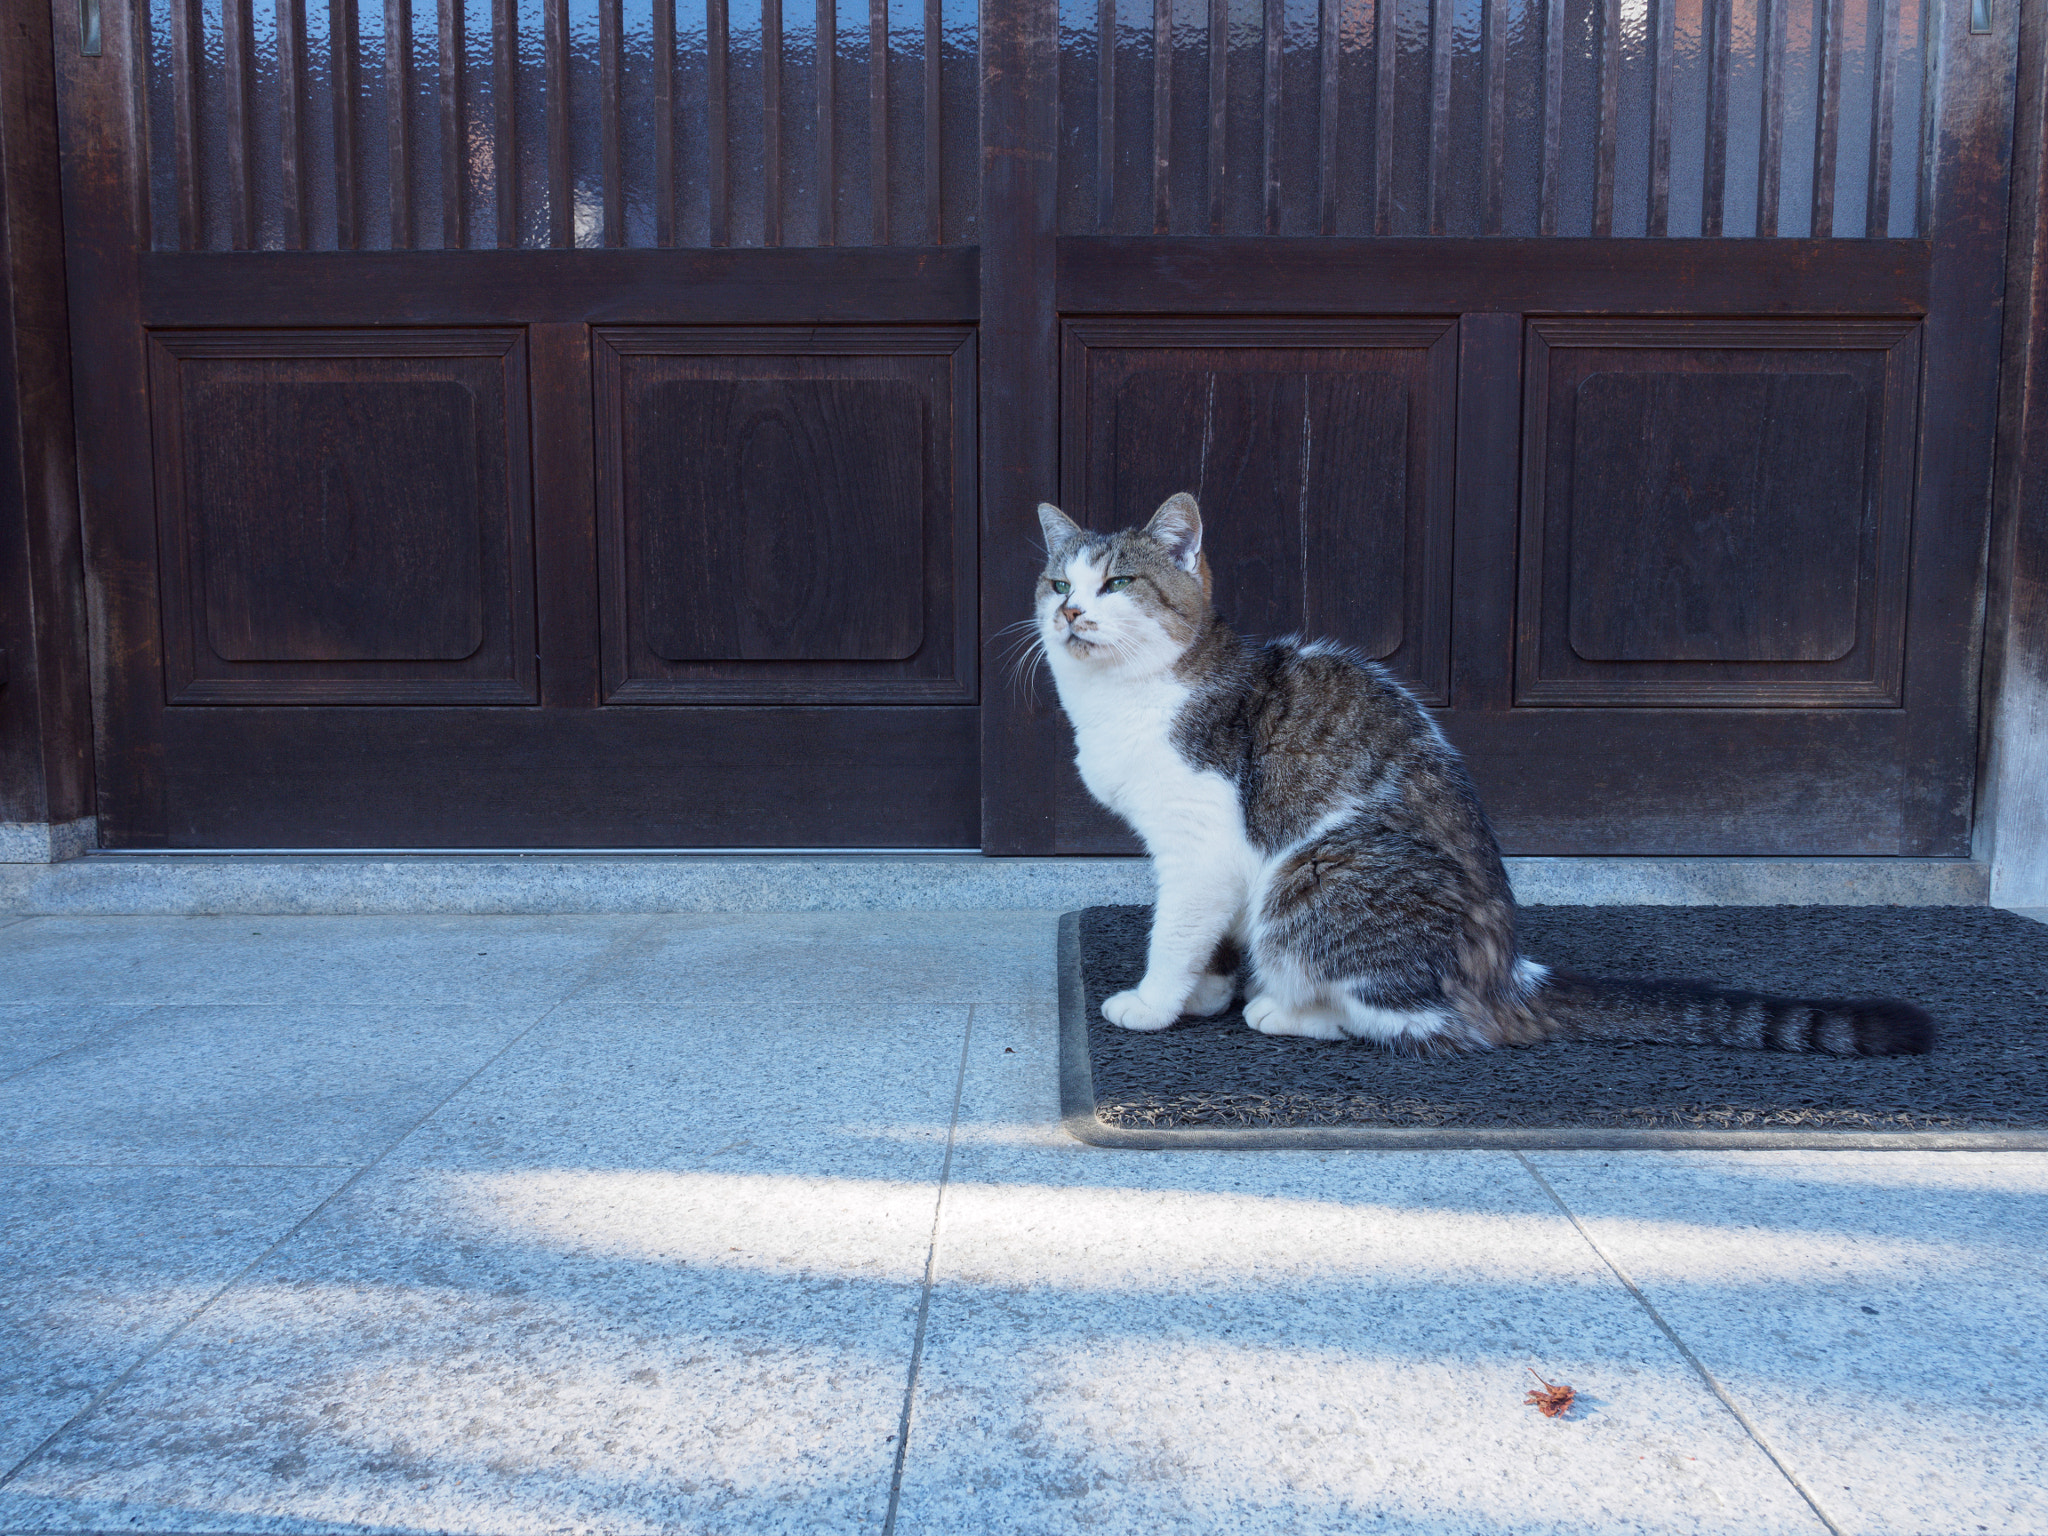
<point>1701,1013</point>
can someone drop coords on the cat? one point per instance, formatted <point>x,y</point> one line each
<point>1305,814</point>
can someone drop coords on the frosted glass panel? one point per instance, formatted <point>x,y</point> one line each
<point>383,124</point>
<point>1657,127</point>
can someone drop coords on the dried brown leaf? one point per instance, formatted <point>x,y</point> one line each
<point>1554,1401</point>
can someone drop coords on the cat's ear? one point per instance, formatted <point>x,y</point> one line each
<point>1057,525</point>
<point>1178,525</point>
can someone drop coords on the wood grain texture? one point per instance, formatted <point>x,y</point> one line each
<point>1322,454</point>
<point>717,122</point>
<point>771,122</point>
<point>934,124</point>
<point>345,516</point>
<point>238,104</point>
<point>1883,20</point>
<point>781,515</point>
<point>636,778</point>
<point>185,46</point>
<point>611,47</point>
<point>292,108</point>
<point>878,120</point>
<point>1207,275</point>
<point>398,118</point>
<point>1717,516</point>
<point>46,708</point>
<point>555,76</point>
<point>1219,110</point>
<point>105,178</point>
<point>1716,512</point>
<point>1022,746</point>
<point>316,288</point>
<point>665,128</point>
<point>2012,830</point>
<point>451,92</point>
<point>505,120</point>
<point>776,519</point>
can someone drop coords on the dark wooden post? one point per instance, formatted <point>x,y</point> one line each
<point>45,705</point>
<point>2012,822</point>
<point>1019,408</point>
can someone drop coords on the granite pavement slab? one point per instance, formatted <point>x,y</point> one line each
<point>841,957</point>
<point>264,1083</point>
<point>36,1032</point>
<point>1287,1342</point>
<point>655,1269</point>
<point>1877,1315</point>
<point>423,958</point>
<point>99,1265</point>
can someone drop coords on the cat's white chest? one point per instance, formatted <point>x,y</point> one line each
<point>1123,737</point>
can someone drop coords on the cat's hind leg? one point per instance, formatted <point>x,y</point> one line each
<point>1286,1000</point>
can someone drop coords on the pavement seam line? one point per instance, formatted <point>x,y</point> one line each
<point>148,1009</point>
<point>1685,1352</point>
<point>304,1221</point>
<point>924,1300</point>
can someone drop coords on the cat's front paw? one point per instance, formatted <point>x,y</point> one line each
<point>1129,1011</point>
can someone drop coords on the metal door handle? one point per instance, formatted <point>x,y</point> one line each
<point>89,28</point>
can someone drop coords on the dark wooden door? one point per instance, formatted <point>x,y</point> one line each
<point>618,422</point>
<point>1622,374</point>
<point>544,424</point>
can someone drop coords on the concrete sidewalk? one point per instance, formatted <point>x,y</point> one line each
<point>765,1223</point>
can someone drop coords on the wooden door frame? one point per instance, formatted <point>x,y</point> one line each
<point>2012,801</point>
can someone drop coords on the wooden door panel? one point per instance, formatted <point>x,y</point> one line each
<point>786,516</point>
<point>344,516</point>
<point>1716,512</point>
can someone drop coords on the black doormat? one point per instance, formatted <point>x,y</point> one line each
<point>1982,973</point>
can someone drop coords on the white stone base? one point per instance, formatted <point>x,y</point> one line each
<point>39,842</point>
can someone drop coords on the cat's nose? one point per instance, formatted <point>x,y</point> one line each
<point>1070,613</point>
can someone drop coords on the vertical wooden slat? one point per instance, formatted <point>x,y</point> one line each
<point>1495,58</point>
<point>611,89</point>
<point>1219,84</point>
<point>185,116</point>
<point>1610,102</point>
<point>344,50</point>
<point>505,114</point>
<point>1327,44</point>
<point>1386,47</point>
<point>1018,388</point>
<point>1714,172</point>
<point>934,122</point>
<point>1105,116</point>
<point>291,112</point>
<point>454,151</point>
<point>238,45</point>
<point>1553,116</point>
<point>398,116</point>
<point>1442,26</point>
<point>1884,64</point>
<point>1658,221</point>
<point>1770,150</point>
<point>717,151</point>
<point>1269,114</point>
<point>1828,119</point>
<point>771,122</point>
<point>828,95</point>
<point>1162,114</point>
<point>665,122</point>
<point>878,118</point>
<point>561,194</point>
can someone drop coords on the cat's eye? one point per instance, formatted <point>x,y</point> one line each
<point>1063,587</point>
<point>1116,583</point>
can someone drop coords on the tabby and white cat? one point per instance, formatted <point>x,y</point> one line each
<point>1304,812</point>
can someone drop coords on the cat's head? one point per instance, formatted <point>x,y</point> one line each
<point>1133,599</point>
